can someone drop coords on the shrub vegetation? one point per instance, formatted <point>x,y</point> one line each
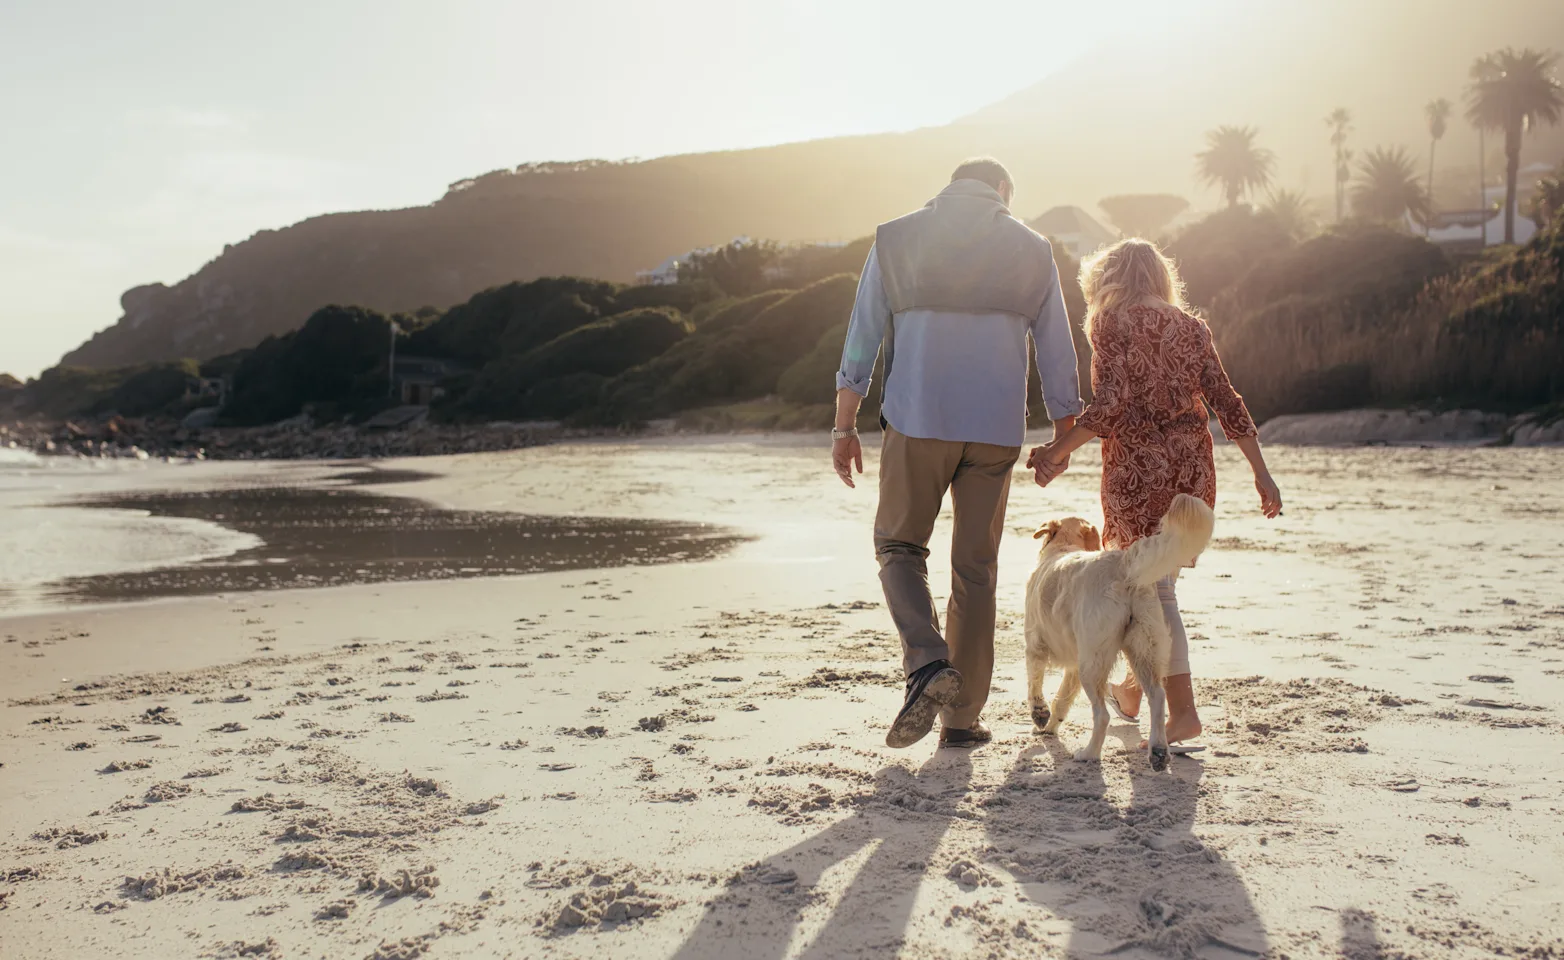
<point>1215,252</point>
<point>61,393</point>
<point>1297,331</point>
<point>337,360</point>
<point>575,363</point>
<point>1491,335</point>
<point>1361,315</point>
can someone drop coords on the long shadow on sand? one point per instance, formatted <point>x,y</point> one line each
<point>763,913</point>
<point>1131,881</point>
<point>1360,936</point>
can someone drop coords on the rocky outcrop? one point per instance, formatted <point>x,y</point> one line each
<point>143,303</point>
<point>267,285</point>
<point>1536,430</point>
<point>297,439</point>
<point>1410,427</point>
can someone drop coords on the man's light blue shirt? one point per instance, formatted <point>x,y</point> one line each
<point>961,376</point>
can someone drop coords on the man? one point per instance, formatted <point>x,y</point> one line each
<point>953,290</point>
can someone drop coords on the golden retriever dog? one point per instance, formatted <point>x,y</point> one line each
<point>1085,606</point>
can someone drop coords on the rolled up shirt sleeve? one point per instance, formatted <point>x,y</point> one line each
<point>1056,360</point>
<point>865,331</point>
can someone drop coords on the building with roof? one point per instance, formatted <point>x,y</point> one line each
<point>664,273</point>
<point>1074,229</point>
<point>1471,229</point>
<point>668,271</point>
<point>420,380</point>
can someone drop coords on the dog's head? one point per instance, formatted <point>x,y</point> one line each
<point>1071,533</point>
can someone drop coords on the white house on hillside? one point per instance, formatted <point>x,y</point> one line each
<point>1466,228</point>
<point>665,272</point>
<point>668,270</point>
<point>1074,229</point>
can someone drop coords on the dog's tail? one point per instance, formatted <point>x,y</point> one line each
<point>1186,529</point>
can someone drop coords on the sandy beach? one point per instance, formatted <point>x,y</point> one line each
<point>685,759</point>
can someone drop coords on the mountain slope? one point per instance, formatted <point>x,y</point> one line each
<point>1126,120</point>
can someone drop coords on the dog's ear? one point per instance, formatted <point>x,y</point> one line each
<point>1046,531</point>
<point>1093,538</point>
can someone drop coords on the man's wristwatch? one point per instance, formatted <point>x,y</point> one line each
<point>843,434</point>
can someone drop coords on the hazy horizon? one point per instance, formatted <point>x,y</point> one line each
<point>152,139</point>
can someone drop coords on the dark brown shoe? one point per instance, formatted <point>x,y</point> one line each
<point>929,689</point>
<point>973,736</point>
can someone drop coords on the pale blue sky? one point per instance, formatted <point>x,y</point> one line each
<point>141,137</point>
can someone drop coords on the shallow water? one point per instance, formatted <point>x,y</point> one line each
<point>185,543</point>
<point>43,537</point>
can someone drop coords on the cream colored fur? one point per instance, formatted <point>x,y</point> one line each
<point>1085,606</point>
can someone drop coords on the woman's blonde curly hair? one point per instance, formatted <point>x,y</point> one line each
<point>1124,273</point>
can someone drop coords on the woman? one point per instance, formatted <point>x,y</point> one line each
<point>1153,363</point>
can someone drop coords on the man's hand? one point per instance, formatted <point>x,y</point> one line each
<point>846,454</point>
<point>1043,465</point>
<point>1045,473</point>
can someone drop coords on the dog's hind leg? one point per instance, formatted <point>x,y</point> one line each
<point>1157,697</point>
<point>1145,646</point>
<point>1036,670</point>
<point>1094,679</point>
<point>1064,698</point>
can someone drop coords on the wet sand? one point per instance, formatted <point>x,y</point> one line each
<point>327,534</point>
<point>685,759</point>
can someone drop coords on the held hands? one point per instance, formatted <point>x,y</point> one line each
<point>846,454</point>
<point>1046,463</point>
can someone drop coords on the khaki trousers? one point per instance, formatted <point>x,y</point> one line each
<point>914,475</point>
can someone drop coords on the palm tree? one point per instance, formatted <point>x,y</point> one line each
<point>1340,123</point>
<point>1294,211</point>
<point>1386,188</point>
<point>1482,70</point>
<point>1232,160</point>
<point>1438,114</point>
<point>1513,91</point>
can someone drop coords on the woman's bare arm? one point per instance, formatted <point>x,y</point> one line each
<point>1270,494</point>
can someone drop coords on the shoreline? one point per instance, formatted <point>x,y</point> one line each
<point>297,439</point>
<point>338,527</point>
<point>684,760</point>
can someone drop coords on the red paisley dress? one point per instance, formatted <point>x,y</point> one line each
<point>1154,370</point>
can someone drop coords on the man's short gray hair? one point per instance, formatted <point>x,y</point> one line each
<point>984,169</point>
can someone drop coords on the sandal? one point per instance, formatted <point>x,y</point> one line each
<point>1118,711</point>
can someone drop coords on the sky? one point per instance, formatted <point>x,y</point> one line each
<point>139,138</point>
